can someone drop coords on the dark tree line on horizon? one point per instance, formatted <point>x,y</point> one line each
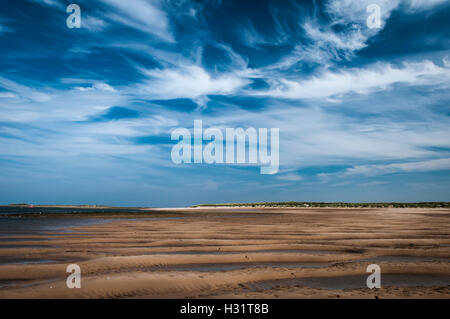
<point>334,204</point>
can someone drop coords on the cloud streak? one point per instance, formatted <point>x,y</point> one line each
<point>422,166</point>
<point>141,15</point>
<point>361,81</point>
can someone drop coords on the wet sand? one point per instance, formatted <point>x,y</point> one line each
<point>236,253</point>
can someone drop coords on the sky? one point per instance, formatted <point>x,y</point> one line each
<point>86,114</point>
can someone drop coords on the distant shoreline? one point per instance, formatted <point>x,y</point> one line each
<point>330,205</point>
<point>102,212</point>
<point>247,205</point>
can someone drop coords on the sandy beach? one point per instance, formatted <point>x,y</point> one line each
<point>235,253</point>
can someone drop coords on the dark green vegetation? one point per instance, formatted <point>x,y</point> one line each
<point>338,204</point>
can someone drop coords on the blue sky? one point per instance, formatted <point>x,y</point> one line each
<point>86,114</point>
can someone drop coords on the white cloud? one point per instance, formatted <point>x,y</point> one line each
<point>93,24</point>
<point>50,3</point>
<point>183,77</point>
<point>189,82</point>
<point>328,44</point>
<point>50,105</point>
<point>7,95</point>
<point>313,136</point>
<point>422,166</point>
<point>362,81</point>
<point>96,86</point>
<point>374,183</point>
<point>141,15</point>
<point>24,91</point>
<point>355,11</point>
<point>292,177</point>
<point>353,40</point>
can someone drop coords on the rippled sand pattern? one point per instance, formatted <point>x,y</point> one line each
<point>226,253</point>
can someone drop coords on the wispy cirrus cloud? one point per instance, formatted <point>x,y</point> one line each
<point>360,81</point>
<point>189,82</point>
<point>141,15</point>
<point>51,3</point>
<point>346,31</point>
<point>96,86</point>
<point>290,177</point>
<point>24,91</point>
<point>94,24</point>
<point>408,167</point>
<point>7,95</point>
